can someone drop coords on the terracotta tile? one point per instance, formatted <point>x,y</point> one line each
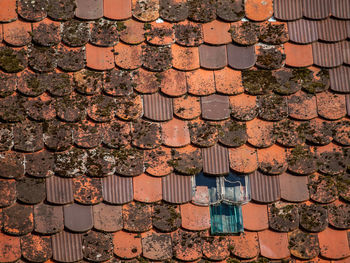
<point>243,107</point>
<point>59,190</point>
<point>303,31</point>
<point>303,245</point>
<point>16,59</point>
<point>283,217</point>
<point>61,241</point>
<point>156,246</point>
<point>71,59</point>
<point>187,107</point>
<point>43,59</point>
<point>36,248</point>
<point>61,10</point>
<point>17,33</point>
<point>99,58</point>
<point>185,58</point>
<point>147,81</point>
<point>48,219</point>
<point>117,189</point>
<point>216,248</point>
<point>133,32</point>
<point>76,33</point>
<point>46,32</point>
<point>243,159</point>
<point>101,108</point>
<point>245,246</point>
<point>145,134</point>
<point>215,107</point>
<point>10,247</point>
<point>241,57</point>
<point>147,189</point>
<point>160,34</point>
<point>41,108</point>
<point>215,160</point>
<point>130,247</point>
<point>331,106</point>
<point>195,217</point>
<point>313,217</point>
<point>316,9</point>
<point>8,12</point>
<point>333,244</point>
<point>171,185</point>
<point>87,190</point>
<point>32,11</point>
<point>288,10</point>
<point>78,218</point>
<point>145,11</point>
<point>12,109</point>
<point>187,246</point>
<point>28,137</point>
<point>117,133</point>
<point>341,132</point>
<point>302,106</point>
<point>255,217</point>
<point>343,190</point>
<point>116,82</point>
<point>173,10</point>
<point>175,133</point>
<point>290,133</point>
<point>173,83</point>
<point>233,133</point>
<point>166,217</point>
<point>273,245</point>
<point>260,133</point>
<point>339,78</point>
<point>118,10</point>
<point>319,132</point>
<point>265,188</point>
<point>298,55</point>
<point>269,56</point>
<point>97,246</point>
<point>57,136</point>
<point>216,33</point>
<point>338,215</point>
<point>11,164</point>
<point>125,111</point>
<point>107,218</point>
<point>327,54</point>
<point>274,33</point>
<point>212,57</point>
<point>302,160</point>
<point>87,134</point>
<point>90,9</point>
<point>188,33</point>
<point>18,219</point>
<point>332,159</point>
<point>8,83</point>
<point>272,107</point>
<point>200,82</point>
<point>187,160</point>
<point>203,134</point>
<point>258,10</point>
<point>272,160</point>
<point>104,32</point>
<point>203,11</point>
<point>230,10</point>
<point>228,81</point>
<point>129,161</point>
<point>8,192</point>
<point>157,161</point>
<point>156,58</point>
<point>245,32</point>
<point>322,189</point>
<point>31,190</point>
<point>137,217</point>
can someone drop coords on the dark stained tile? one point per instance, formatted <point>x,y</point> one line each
<point>216,248</point>
<point>319,132</point>
<point>43,59</point>
<point>10,247</point>
<point>61,10</point>
<point>101,108</point>
<point>8,84</point>
<point>255,217</point>
<point>70,163</point>
<point>215,107</point>
<point>59,190</point>
<point>216,33</point>
<point>36,248</point>
<point>129,161</point>
<point>129,107</point>
<point>32,11</point>
<point>47,32</point>
<point>177,188</point>
<point>188,33</point>
<point>41,108</point>
<point>243,159</point>
<point>212,57</point>
<point>342,181</point>
<point>341,133</point>
<point>302,160</point>
<point>71,58</point>
<point>260,133</point>
<point>160,34</point>
<point>303,245</point>
<point>11,164</point>
<point>31,84</point>
<point>267,82</point>
<point>118,82</point>
<point>303,31</point>
<point>175,133</point>
<point>67,247</point>
<point>87,134</point>
<point>117,189</point>
<point>28,137</point>
<point>274,33</point>
<point>230,10</point>
<point>272,107</point>
<point>327,54</point>
<point>90,9</point>
<point>166,217</point>
<point>156,58</point>
<point>100,162</point>
<point>338,215</point>
<point>118,10</point>
<point>147,81</point>
<point>107,218</point>
<point>40,164</point>
<point>241,57</point>
<point>147,189</point>
<point>87,190</point>
<point>290,133</point>
<point>173,10</point>
<point>316,9</point>
<point>203,11</point>
<point>7,192</point>
<point>331,30</point>
<point>131,246</point>
<point>156,246</point>
<point>104,33</point>
<point>116,134</point>
<point>48,219</point>
<point>243,107</point>
<point>18,219</point>
<point>334,244</point>
<point>245,33</point>
<point>200,82</point>
<point>57,136</point>
<point>195,218</point>
<point>302,106</point>
<point>137,217</point>
<point>283,217</point>
<point>57,83</point>
<point>187,245</point>
<point>187,160</point>
<point>12,109</point>
<point>273,245</point>
<point>17,33</point>
<point>347,98</point>
<point>245,246</point>
<point>97,246</point>
<point>145,11</point>
<point>133,33</point>
<point>233,133</point>
<point>258,11</point>
<point>215,160</point>
<point>31,190</point>
<point>75,33</point>
<point>339,79</point>
<point>6,137</point>
<point>157,107</point>
<point>269,56</point>
<point>228,81</point>
<point>265,188</point>
<point>322,188</point>
<point>203,134</point>
<point>288,10</point>
<point>78,218</point>
<point>331,159</point>
<point>156,161</point>
<point>13,60</point>
<point>294,188</point>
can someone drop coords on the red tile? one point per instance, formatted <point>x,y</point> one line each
<point>200,82</point>
<point>188,33</point>
<point>272,160</point>
<point>64,240</point>
<point>243,107</point>
<point>127,57</point>
<point>216,248</point>
<point>10,248</point>
<point>331,106</point>
<point>201,196</point>
<point>32,11</point>
<point>302,106</point>
<point>157,161</point>
<point>87,190</point>
<point>145,11</point>
<point>147,189</point>
<point>18,219</point>
<point>273,245</point>
<point>175,133</point>
<point>137,217</point>
<point>107,218</point>
<point>334,244</point>
<point>255,217</point>
<point>298,55</point>
<point>46,32</point>
<point>187,246</point>
<point>258,10</point>
<point>194,217</point>
<point>303,245</point>
<point>99,58</point>
<point>173,83</point>
<point>260,133</point>
<point>17,33</point>
<point>228,81</point>
<point>118,10</point>
<point>171,185</point>
<point>147,81</point>
<point>7,192</point>
<point>216,33</point>
<point>241,57</point>
<point>87,134</point>
<point>160,34</point>
<point>185,58</point>
<point>212,57</point>
<point>187,107</point>
<point>78,218</point>
<point>101,108</point>
<point>8,12</point>
<point>130,247</point>
<point>36,248</point>
<point>89,9</point>
<point>243,159</point>
<point>156,246</point>
<point>48,219</point>
<point>245,246</point>
<point>133,32</point>
<point>341,132</point>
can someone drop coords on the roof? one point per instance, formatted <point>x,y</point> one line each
<point>109,107</point>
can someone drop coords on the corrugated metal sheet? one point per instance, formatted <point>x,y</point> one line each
<point>332,30</point>
<point>215,160</point>
<point>302,31</point>
<point>265,188</point>
<point>157,107</point>
<point>67,247</point>
<point>316,9</point>
<point>177,188</point>
<point>341,9</point>
<point>326,54</point>
<point>215,107</point>
<point>288,9</point>
<point>340,79</point>
<point>117,189</point>
<point>59,190</point>
<point>346,50</point>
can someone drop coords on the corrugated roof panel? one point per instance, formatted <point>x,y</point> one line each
<point>346,50</point>
<point>316,9</point>
<point>341,9</point>
<point>177,188</point>
<point>332,30</point>
<point>157,107</point>
<point>67,247</point>
<point>326,54</point>
<point>117,189</point>
<point>340,79</point>
<point>59,190</point>
<point>265,188</point>
<point>303,31</point>
<point>215,160</point>
<point>288,9</point>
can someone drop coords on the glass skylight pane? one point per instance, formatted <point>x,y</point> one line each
<point>226,219</point>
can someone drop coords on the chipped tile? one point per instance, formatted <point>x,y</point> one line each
<point>160,34</point>
<point>302,106</point>
<point>230,10</point>
<point>283,217</point>
<point>272,160</point>
<point>187,245</point>
<point>156,58</point>
<point>243,107</point>
<point>269,56</point>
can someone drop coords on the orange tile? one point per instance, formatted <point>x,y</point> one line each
<point>330,105</point>
<point>127,112</point>
<point>185,58</point>
<point>175,133</point>
<point>145,11</point>
<point>302,106</point>
<point>258,10</point>
<point>128,57</point>
<point>147,189</point>
<point>243,159</point>
<point>273,245</point>
<point>195,217</point>
<point>260,133</point>
<point>272,160</point>
<point>217,32</point>
<point>147,81</point>
<point>117,9</point>
<point>156,246</point>
<point>127,245</point>
<point>334,244</point>
<point>243,107</point>
<point>10,248</point>
<point>8,10</point>
<point>298,55</point>
<point>157,160</point>
<point>47,32</point>
<point>187,246</point>
<point>216,248</point>
<point>255,216</point>
<point>187,107</point>
<point>200,82</point>
<point>245,246</point>
<point>1,33</point>
<point>173,83</point>
<point>133,33</point>
<point>17,33</point>
<point>228,81</point>
<point>99,58</point>
<point>160,34</point>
